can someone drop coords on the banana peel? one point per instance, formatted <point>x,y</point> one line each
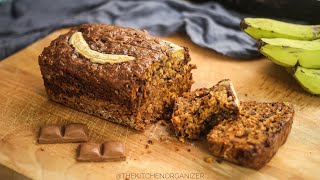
<point>175,51</point>
<point>290,53</point>
<point>309,79</point>
<point>268,28</point>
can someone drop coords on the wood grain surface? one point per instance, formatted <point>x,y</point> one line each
<point>24,107</point>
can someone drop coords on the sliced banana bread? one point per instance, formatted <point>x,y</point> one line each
<point>120,74</point>
<point>255,136</point>
<point>195,111</point>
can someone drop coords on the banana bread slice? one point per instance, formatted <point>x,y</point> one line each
<point>195,111</point>
<point>256,135</point>
<point>120,74</point>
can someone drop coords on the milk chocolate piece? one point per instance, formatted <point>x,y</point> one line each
<point>89,152</point>
<point>113,151</point>
<point>71,133</point>
<point>108,151</point>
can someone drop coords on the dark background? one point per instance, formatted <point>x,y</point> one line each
<point>307,11</point>
<point>210,24</point>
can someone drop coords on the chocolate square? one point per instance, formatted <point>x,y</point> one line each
<point>114,151</point>
<point>75,132</point>
<point>70,133</point>
<point>108,151</point>
<point>50,134</point>
<point>89,152</point>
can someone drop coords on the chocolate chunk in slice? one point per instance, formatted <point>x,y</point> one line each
<point>71,133</point>
<point>108,151</point>
<point>255,136</point>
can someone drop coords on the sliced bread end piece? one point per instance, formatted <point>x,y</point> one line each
<point>255,136</point>
<point>196,111</point>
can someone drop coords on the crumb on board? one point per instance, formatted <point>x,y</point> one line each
<point>208,159</point>
<point>150,141</point>
<point>163,137</point>
<point>189,150</point>
<point>147,146</point>
<point>41,149</point>
<point>219,160</point>
<point>176,148</point>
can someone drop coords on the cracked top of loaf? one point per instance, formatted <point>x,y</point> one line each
<point>110,39</point>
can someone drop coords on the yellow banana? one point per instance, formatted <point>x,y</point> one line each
<point>268,28</point>
<point>289,53</point>
<point>81,46</point>
<point>309,79</point>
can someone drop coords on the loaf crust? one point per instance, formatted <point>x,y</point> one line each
<point>255,136</point>
<point>132,93</point>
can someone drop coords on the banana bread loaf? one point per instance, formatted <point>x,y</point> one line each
<point>119,74</point>
<point>196,111</point>
<point>255,136</point>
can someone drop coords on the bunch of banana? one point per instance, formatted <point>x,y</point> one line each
<point>296,47</point>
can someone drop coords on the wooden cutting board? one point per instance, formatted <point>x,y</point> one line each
<point>24,107</point>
